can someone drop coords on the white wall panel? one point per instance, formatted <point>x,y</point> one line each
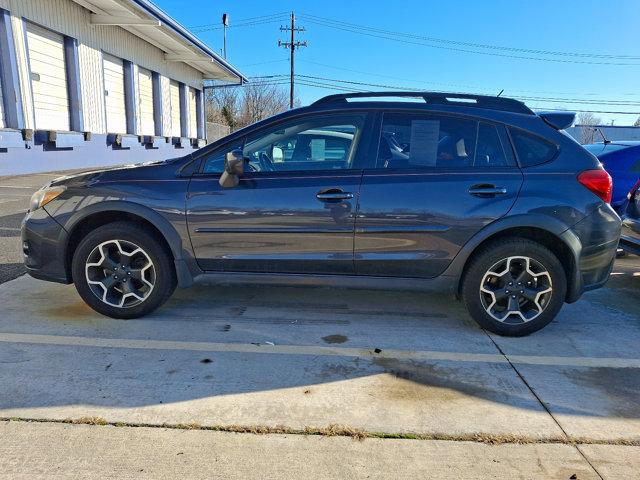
<point>17,25</point>
<point>145,101</point>
<point>114,94</point>
<point>175,109</point>
<point>2,121</point>
<point>91,89</point>
<point>165,98</point>
<point>69,18</point>
<point>193,117</point>
<point>48,78</point>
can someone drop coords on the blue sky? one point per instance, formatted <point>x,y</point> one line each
<point>597,29</point>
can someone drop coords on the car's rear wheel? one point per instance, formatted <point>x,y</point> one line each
<point>121,271</point>
<point>514,287</point>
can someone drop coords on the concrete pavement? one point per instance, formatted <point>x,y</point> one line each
<point>80,451</point>
<point>396,364</point>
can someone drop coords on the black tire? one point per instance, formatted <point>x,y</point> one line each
<point>490,256</point>
<point>164,279</point>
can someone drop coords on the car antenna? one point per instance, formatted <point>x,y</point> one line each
<point>604,139</point>
<point>500,93</point>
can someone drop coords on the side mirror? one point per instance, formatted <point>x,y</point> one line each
<point>233,169</point>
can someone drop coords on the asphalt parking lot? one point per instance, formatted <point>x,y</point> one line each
<point>266,381</point>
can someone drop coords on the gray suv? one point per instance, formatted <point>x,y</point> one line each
<point>471,195</point>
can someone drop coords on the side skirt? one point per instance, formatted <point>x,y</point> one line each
<point>443,284</point>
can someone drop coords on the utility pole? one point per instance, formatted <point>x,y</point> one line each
<point>292,45</point>
<point>225,23</point>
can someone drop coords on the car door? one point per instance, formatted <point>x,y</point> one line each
<point>438,180</point>
<point>293,210</point>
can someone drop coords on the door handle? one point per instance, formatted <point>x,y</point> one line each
<point>485,191</point>
<point>333,195</point>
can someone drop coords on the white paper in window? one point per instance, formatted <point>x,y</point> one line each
<point>318,146</point>
<point>424,142</point>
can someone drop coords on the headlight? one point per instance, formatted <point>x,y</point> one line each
<point>44,196</point>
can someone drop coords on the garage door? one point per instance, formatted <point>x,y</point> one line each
<point>145,102</point>
<point>48,78</point>
<point>193,123</point>
<point>174,89</point>
<point>114,94</point>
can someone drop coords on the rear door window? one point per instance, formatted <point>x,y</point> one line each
<point>531,149</point>
<point>440,141</point>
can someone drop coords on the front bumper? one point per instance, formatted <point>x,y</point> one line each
<point>42,254</point>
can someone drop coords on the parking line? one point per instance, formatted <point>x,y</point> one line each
<point>415,355</point>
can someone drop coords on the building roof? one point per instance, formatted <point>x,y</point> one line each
<point>147,21</point>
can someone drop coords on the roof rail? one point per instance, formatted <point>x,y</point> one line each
<point>438,98</point>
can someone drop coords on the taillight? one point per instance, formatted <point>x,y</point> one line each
<point>599,182</point>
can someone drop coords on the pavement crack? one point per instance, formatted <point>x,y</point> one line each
<point>336,430</point>
<point>543,404</point>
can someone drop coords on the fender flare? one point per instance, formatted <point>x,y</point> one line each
<point>543,222</point>
<point>182,257</point>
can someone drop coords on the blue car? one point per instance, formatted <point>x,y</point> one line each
<point>622,160</point>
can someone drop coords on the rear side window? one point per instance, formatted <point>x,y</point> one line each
<point>439,141</point>
<point>531,150</point>
<point>489,151</point>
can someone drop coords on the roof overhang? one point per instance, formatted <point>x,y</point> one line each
<point>145,20</point>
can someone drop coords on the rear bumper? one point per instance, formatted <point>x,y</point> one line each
<point>597,236</point>
<point>42,254</point>
<point>630,238</point>
<point>593,267</point>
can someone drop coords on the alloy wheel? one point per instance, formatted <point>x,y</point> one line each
<point>120,273</point>
<point>516,290</point>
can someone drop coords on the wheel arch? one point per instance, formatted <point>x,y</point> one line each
<point>102,213</point>
<point>547,231</point>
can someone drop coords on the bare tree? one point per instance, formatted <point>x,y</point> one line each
<point>261,100</point>
<point>238,107</point>
<point>587,121</point>
<point>222,106</point>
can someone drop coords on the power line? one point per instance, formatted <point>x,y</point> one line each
<point>474,44</point>
<point>328,86</point>
<point>586,111</point>
<point>396,37</point>
<point>456,85</point>
<point>249,24</point>
<point>344,88</point>
<point>519,97</point>
<point>263,63</point>
<point>271,17</point>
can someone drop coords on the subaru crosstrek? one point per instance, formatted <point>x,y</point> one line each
<point>472,195</point>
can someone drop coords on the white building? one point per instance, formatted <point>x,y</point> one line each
<point>99,82</point>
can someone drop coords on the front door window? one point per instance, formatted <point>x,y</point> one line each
<point>312,144</point>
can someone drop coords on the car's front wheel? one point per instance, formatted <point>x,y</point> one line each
<point>121,271</point>
<point>514,287</point>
